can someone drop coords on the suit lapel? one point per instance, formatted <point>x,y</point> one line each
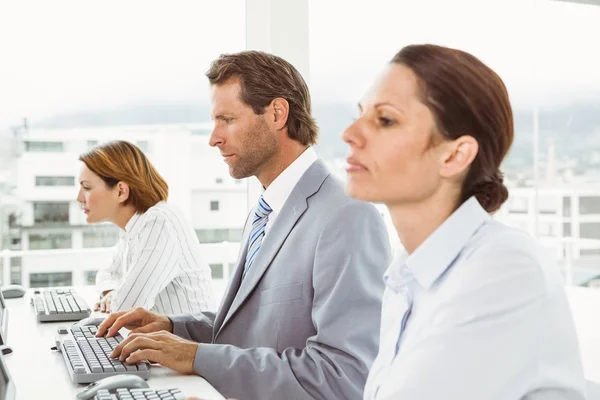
<point>292,210</point>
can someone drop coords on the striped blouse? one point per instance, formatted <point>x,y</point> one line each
<point>157,265</point>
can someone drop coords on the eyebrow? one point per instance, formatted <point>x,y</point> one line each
<point>377,105</point>
<point>221,117</point>
<point>400,110</point>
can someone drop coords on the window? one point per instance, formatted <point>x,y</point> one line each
<point>91,144</point>
<point>567,229</point>
<point>589,230</point>
<point>50,279</point>
<point>219,235</point>
<point>51,213</point>
<point>100,237</point>
<point>547,204</point>
<point>214,205</point>
<point>54,181</point>
<point>561,94</point>
<point>50,241</point>
<point>216,271</point>
<point>518,205</point>
<point>547,229</point>
<point>589,252</point>
<point>48,147</point>
<point>89,277</point>
<point>566,206</point>
<point>15,270</point>
<point>589,205</point>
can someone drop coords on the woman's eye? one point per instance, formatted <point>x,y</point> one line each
<point>385,121</point>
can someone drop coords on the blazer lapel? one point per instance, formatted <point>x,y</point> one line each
<point>292,210</point>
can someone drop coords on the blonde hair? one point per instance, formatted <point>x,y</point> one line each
<point>121,161</point>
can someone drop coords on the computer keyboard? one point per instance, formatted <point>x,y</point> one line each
<point>140,394</point>
<point>59,305</point>
<point>87,357</point>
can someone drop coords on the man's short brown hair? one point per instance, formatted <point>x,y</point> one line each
<point>264,77</point>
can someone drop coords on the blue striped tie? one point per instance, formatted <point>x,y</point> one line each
<point>258,232</point>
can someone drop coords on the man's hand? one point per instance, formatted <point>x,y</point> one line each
<point>103,305</point>
<point>159,347</point>
<point>138,320</point>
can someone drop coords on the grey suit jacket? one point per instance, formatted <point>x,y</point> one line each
<point>304,323</point>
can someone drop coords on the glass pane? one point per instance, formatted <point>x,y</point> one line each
<point>54,181</point>
<point>90,277</point>
<point>216,271</point>
<point>50,279</point>
<point>50,213</point>
<point>139,78</point>
<point>101,237</point>
<point>544,58</point>
<point>50,241</point>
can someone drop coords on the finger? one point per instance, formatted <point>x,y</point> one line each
<point>140,343</point>
<point>123,320</point>
<point>96,306</point>
<point>108,322</point>
<point>117,350</point>
<point>154,356</point>
<point>129,339</point>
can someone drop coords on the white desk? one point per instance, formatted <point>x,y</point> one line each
<point>39,372</point>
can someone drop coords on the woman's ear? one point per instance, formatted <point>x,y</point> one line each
<point>458,156</point>
<point>122,192</point>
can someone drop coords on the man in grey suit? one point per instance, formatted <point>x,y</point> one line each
<point>300,317</point>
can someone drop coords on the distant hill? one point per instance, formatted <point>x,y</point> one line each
<point>575,128</point>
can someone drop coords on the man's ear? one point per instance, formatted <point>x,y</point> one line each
<point>281,111</point>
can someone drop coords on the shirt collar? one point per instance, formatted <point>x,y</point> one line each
<point>279,190</point>
<point>433,257</point>
<point>133,225</point>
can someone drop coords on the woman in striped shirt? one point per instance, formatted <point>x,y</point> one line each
<point>157,263</point>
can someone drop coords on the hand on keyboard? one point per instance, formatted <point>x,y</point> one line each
<point>138,320</point>
<point>103,305</point>
<point>162,347</point>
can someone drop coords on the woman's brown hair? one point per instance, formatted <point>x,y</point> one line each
<point>121,161</point>
<point>466,98</point>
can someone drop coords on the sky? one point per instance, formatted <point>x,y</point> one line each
<point>65,56</point>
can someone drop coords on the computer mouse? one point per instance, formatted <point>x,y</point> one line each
<point>13,291</point>
<point>94,321</point>
<point>111,384</point>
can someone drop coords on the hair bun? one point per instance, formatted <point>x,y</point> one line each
<point>491,193</point>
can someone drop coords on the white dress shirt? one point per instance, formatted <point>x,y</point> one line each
<point>157,265</point>
<point>489,319</point>
<point>279,190</point>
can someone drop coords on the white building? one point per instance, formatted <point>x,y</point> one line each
<point>49,217</point>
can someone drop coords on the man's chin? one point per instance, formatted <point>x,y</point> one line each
<point>239,174</point>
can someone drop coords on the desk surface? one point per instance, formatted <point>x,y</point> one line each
<point>39,372</point>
